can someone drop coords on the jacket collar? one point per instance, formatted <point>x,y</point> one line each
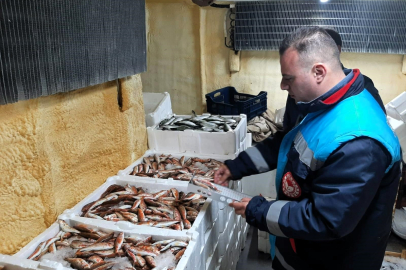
<point>351,85</point>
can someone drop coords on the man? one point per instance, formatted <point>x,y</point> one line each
<point>337,169</point>
<point>292,111</point>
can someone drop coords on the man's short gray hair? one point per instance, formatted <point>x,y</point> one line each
<point>314,45</point>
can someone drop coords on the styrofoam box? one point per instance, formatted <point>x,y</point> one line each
<point>199,142</point>
<point>200,225</point>
<point>399,127</point>
<point>189,260</point>
<point>157,107</point>
<point>397,107</point>
<point>148,153</point>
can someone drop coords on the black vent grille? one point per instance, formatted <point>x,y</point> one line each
<point>51,46</point>
<point>365,26</point>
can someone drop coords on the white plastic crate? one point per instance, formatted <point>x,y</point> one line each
<point>397,107</point>
<point>399,127</point>
<point>199,142</point>
<point>188,261</point>
<point>148,153</point>
<point>157,106</point>
<point>201,224</point>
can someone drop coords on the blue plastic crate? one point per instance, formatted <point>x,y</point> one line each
<point>227,101</point>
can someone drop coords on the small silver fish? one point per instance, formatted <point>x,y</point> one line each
<point>66,228</point>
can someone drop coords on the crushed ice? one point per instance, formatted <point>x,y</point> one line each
<point>60,255</point>
<point>120,262</point>
<point>166,259</point>
<point>201,166</point>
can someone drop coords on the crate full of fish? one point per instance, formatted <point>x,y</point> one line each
<point>200,134</point>
<point>158,165</point>
<point>70,244</point>
<point>128,203</point>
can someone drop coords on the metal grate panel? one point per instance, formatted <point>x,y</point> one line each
<point>51,46</point>
<point>364,26</point>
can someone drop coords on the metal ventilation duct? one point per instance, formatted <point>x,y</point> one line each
<point>365,26</point>
<point>51,46</point>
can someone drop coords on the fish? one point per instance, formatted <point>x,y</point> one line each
<point>62,243</point>
<point>192,196</point>
<point>179,255</point>
<point>161,224</point>
<point>37,251</point>
<point>175,192</point>
<point>154,217</point>
<point>119,241</point>
<point>160,194</point>
<point>146,223</point>
<point>105,238</point>
<point>141,215</point>
<point>163,242</point>
<point>144,251</point>
<point>105,266</point>
<point>95,259</point>
<point>78,263</point>
<point>176,214</point>
<point>80,244</point>
<point>142,205</point>
<point>130,216</point>
<point>186,224</point>
<point>66,228</point>
<point>150,261</point>
<point>174,244</point>
<point>98,246</point>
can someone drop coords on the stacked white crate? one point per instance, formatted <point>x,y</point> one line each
<point>221,230</point>
<point>18,261</point>
<point>217,218</point>
<point>200,142</point>
<point>157,106</point>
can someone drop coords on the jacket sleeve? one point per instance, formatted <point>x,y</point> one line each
<point>260,158</point>
<point>341,192</point>
<point>264,156</point>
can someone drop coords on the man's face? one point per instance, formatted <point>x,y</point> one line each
<point>296,79</point>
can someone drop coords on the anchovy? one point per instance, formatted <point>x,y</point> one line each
<point>175,244</point>
<point>163,242</point>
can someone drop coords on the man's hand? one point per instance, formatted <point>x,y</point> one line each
<point>222,176</point>
<point>240,207</point>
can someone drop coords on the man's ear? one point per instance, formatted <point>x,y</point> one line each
<point>319,71</point>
